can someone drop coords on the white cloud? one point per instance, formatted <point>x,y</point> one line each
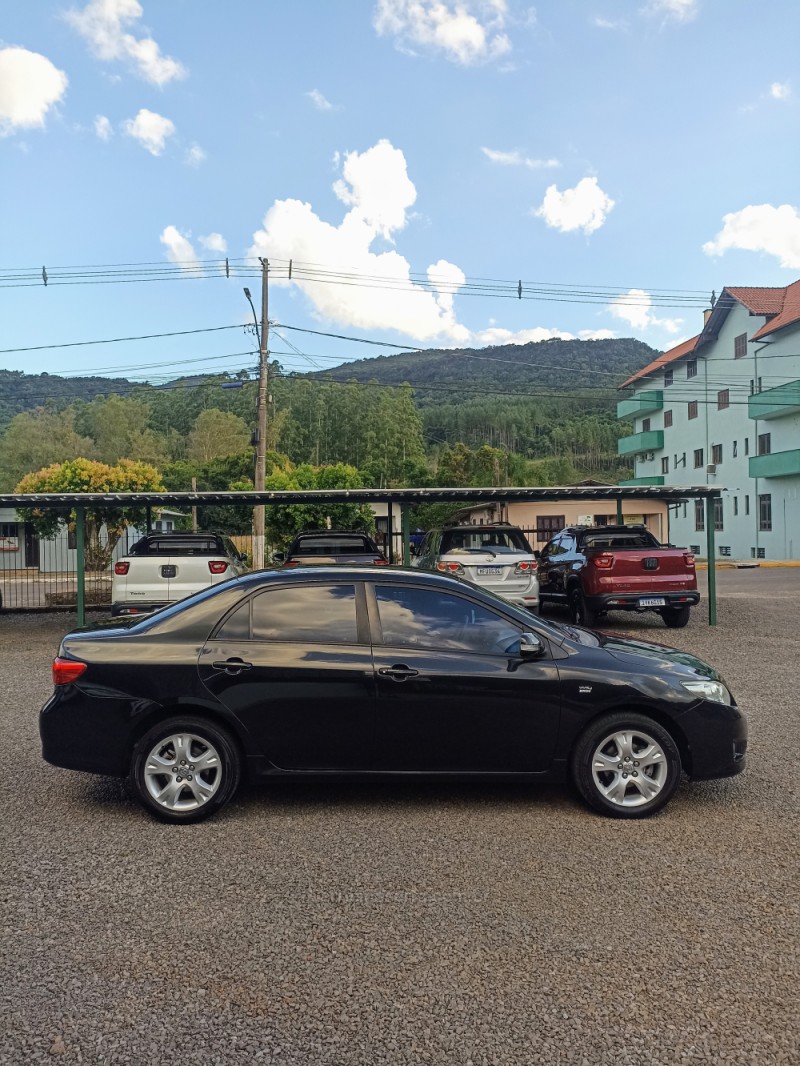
<point>29,86</point>
<point>635,308</point>
<point>150,129</point>
<point>583,208</point>
<point>102,127</point>
<point>194,156</point>
<point>104,24</point>
<point>320,102</point>
<point>497,335</point>
<point>676,10</point>
<point>761,228</point>
<point>466,32</point>
<point>378,192</point>
<point>179,248</point>
<point>516,158</point>
<point>596,334</point>
<point>780,90</point>
<point>214,242</point>
<point>609,24</point>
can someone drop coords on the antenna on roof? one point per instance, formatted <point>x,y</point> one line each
<point>713,297</point>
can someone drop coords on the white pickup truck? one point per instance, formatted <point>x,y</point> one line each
<point>164,567</point>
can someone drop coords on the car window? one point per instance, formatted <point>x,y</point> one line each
<point>424,618</point>
<point>477,538</point>
<point>173,545</point>
<point>338,545</point>
<point>309,614</point>
<point>555,547</point>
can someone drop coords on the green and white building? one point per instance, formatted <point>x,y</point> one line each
<point>723,408</point>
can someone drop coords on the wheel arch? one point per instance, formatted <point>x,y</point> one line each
<point>669,724</point>
<point>191,709</point>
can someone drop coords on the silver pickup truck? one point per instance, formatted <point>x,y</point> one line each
<point>164,567</point>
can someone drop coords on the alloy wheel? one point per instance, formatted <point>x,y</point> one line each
<point>182,772</point>
<point>629,768</point>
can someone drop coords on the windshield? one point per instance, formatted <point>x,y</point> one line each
<point>479,538</point>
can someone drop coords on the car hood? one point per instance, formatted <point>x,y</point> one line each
<point>627,649</point>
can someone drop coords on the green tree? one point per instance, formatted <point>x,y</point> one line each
<point>284,520</point>
<point>216,434</point>
<point>38,438</point>
<point>113,422</point>
<point>85,475</point>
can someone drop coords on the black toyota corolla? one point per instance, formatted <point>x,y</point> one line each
<point>340,671</point>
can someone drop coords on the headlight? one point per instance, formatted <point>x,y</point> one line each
<point>709,690</point>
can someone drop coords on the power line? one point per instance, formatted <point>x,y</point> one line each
<point>119,340</point>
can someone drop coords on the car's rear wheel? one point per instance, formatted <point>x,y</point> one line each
<point>579,610</point>
<point>626,765</point>
<point>675,617</point>
<point>184,769</point>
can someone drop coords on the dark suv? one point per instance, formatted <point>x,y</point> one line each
<point>317,547</point>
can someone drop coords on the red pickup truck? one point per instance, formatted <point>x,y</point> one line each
<point>596,569</point>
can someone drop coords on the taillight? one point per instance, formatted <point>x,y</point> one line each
<point>688,559</point>
<point>121,568</point>
<point>603,562</point>
<point>65,671</point>
<point>381,561</point>
<point>450,568</point>
<point>526,567</point>
<point>217,567</point>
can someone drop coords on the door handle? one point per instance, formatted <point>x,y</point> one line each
<point>232,666</point>
<point>400,672</point>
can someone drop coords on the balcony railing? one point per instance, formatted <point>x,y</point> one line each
<point>774,403</point>
<point>643,403</point>
<point>651,441</point>
<point>775,464</point>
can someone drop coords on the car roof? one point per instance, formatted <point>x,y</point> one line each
<point>480,529</point>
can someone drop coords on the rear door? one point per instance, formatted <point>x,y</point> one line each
<point>294,664</point>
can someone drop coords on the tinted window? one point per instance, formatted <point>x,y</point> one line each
<point>422,618</point>
<point>476,538</point>
<point>338,545</point>
<point>172,545</point>
<point>310,614</point>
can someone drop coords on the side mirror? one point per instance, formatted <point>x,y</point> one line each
<point>278,557</point>
<point>242,557</point>
<point>530,647</point>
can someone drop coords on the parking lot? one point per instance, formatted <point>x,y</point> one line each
<point>446,924</point>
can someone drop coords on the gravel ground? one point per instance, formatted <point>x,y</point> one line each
<point>335,924</point>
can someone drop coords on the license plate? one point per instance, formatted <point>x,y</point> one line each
<point>652,601</point>
<point>490,571</point>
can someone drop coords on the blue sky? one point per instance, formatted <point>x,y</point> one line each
<point>399,152</point>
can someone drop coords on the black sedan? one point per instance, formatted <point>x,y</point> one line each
<point>352,672</point>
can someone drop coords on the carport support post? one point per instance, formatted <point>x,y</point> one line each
<point>405,523</point>
<point>619,510</point>
<point>148,519</point>
<point>711,554</point>
<point>80,545</point>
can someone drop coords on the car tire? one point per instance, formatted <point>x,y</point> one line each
<point>579,610</point>
<point>185,769</point>
<point>626,765</point>
<point>675,617</point>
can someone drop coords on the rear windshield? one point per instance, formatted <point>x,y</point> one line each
<point>604,542</point>
<point>481,539</point>
<point>177,546</point>
<point>337,545</point>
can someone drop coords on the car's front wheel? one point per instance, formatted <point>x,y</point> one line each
<point>626,765</point>
<point>579,610</point>
<point>184,769</point>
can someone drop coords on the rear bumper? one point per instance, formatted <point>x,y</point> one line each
<point>631,601</point>
<point>129,609</point>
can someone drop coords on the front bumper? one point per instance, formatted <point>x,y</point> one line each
<point>717,739</point>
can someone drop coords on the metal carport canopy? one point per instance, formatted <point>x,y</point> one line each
<point>671,493</point>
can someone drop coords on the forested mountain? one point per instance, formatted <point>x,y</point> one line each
<point>22,392</point>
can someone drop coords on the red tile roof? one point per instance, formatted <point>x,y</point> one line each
<point>667,357</point>
<point>787,314</point>
<point>759,301</point>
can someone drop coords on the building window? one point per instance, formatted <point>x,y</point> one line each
<point>667,419</point>
<point>668,377</point>
<point>691,368</point>
<point>698,458</point>
<point>716,453</point>
<point>692,409</point>
<point>718,514</point>
<point>645,425</point>
<point>740,346</point>
<point>764,443</point>
<point>746,445</point>
<point>735,449</point>
<point>548,525</point>
<point>699,516</point>
<point>765,513</point>
<point>725,550</point>
<point>665,465</point>
<point>735,505</point>
<point>8,529</point>
<point>747,505</point>
<point>723,399</point>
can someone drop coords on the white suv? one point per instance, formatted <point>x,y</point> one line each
<point>498,558</point>
<point>164,567</point>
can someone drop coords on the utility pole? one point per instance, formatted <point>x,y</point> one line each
<point>259,544</point>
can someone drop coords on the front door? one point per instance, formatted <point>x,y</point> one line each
<point>31,546</point>
<point>295,666</point>
<point>453,692</point>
